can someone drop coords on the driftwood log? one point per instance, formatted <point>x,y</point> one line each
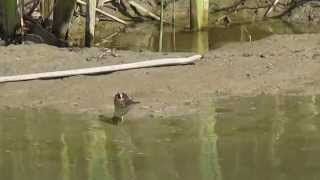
<point>103,69</point>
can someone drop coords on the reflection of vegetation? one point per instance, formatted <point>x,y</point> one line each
<point>267,137</point>
<point>210,168</point>
<point>65,169</point>
<point>47,144</point>
<point>212,38</point>
<point>260,137</point>
<point>95,153</point>
<point>200,42</point>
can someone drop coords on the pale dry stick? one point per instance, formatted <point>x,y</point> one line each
<point>34,3</point>
<point>161,28</point>
<point>112,35</point>
<point>102,2</point>
<point>107,39</point>
<point>275,2</point>
<point>174,25</point>
<point>21,11</point>
<point>105,13</point>
<point>107,1</point>
<point>143,9</point>
<point>103,69</point>
<point>149,13</point>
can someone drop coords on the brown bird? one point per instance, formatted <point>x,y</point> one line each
<point>122,104</point>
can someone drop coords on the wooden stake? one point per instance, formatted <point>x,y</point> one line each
<point>173,13</point>
<point>199,10</point>
<point>90,22</point>
<point>161,28</point>
<point>104,69</point>
<point>62,14</point>
<point>174,25</point>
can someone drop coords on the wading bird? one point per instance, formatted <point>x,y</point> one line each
<point>122,104</point>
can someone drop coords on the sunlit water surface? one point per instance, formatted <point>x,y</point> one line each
<point>146,37</point>
<point>263,137</point>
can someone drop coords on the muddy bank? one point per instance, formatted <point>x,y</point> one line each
<point>286,64</point>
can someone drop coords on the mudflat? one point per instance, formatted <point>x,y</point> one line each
<point>277,65</point>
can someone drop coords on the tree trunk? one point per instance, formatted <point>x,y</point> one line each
<point>62,16</point>
<point>90,22</point>
<point>10,19</point>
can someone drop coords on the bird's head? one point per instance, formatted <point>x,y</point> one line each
<point>119,99</point>
<point>123,100</point>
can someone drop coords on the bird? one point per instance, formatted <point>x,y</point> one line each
<point>122,104</point>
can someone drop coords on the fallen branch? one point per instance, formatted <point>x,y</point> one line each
<point>104,69</point>
<point>105,13</point>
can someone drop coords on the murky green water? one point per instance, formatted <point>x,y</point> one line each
<point>260,137</point>
<point>146,37</point>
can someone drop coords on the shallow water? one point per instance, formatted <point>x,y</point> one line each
<point>263,137</point>
<point>146,37</point>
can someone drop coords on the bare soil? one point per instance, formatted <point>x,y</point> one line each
<point>278,65</point>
